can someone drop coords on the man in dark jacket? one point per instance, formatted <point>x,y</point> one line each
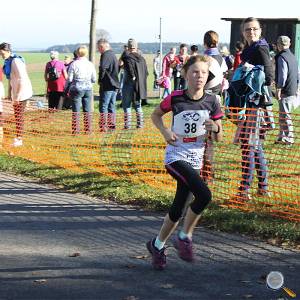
<point>287,81</point>
<point>109,85</point>
<point>135,84</point>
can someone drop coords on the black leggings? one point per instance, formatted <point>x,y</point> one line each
<point>188,180</point>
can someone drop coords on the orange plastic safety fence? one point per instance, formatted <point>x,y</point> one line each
<point>130,147</point>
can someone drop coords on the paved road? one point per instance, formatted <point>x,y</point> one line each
<point>41,227</point>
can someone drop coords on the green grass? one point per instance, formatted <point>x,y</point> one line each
<point>260,226</point>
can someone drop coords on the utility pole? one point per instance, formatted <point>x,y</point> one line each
<point>161,54</point>
<point>92,47</point>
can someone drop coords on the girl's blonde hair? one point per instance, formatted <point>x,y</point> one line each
<point>194,59</point>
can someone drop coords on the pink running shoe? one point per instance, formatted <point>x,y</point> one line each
<point>184,248</point>
<point>159,259</point>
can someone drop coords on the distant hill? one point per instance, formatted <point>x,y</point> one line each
<point>146,48</point>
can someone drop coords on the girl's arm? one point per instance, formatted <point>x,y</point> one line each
<point>169,136</point>
<point>216,128</point>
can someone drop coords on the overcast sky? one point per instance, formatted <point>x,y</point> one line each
<point>40,23</point>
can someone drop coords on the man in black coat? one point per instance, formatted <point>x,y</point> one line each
<point>109,85</point>
<point>135,84</point>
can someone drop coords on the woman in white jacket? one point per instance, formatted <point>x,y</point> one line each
<point>19,87</point>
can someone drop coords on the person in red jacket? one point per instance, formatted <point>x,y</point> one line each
<point>239,46</point>
<point>55,88</point>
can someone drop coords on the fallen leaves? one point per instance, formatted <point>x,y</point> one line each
<point>167,286</point>
<point>40,281</point>
<point>130,266</point>
<point>248,296</point>
<point>75,254</point>
<point>140,256</point>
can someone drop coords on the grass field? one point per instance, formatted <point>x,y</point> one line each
<point>36,63</point>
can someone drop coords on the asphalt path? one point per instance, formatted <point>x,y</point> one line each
<point>59,245</point>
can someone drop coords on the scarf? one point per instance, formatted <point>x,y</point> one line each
<point>211,51</point>
<point>248,51</point>
<point>7,64</point>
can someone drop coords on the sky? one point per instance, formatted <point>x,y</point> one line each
<point>38,24</point>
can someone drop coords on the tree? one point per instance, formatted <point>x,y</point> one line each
<point>102,34</point>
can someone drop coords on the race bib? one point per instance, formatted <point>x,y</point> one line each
<point>190,123</point>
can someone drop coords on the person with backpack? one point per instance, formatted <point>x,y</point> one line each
<point>55,75</point>
<point>218,66</point>
<point>214,85</point>
<point>194,114</point>
<point>19,87</point>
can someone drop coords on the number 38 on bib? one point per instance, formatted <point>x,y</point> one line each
<point>190,123</point>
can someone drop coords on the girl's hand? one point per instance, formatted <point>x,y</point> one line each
<point>170,137</point>
<point>210,125</point>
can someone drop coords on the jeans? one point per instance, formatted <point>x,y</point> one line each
<point>81,97</point>
<point>128,97</point>
<point>253,157</point>
<point>107,109</point>
<point>167,92</point>
<point>286,130</point>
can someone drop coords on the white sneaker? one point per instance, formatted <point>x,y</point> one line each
<point>17,142</point>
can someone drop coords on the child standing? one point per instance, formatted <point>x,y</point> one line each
<point>195,113</point>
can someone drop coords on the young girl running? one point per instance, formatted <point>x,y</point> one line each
<point>194,114</point>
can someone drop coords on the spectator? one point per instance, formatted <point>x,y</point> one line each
<point>121,72</point>
<point>239,46</point>
<point>229,58</point>
<point>82,75</point>
<point>19,87</point>
<point>218,65</point>
<point>180,59</point>
<point>194,50</point>
<point>287,81</point>
<point>67,62</point>
<point>2,94</point>
<point>156,69</point>
<point>67,100</point>
<point>109,85</point>
<point>167,70</point>
<point>214,86</point>
<point>56,85</point>
<point>135,84</point>
<point>256,52</point>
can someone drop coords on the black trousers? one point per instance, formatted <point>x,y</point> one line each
<point>55,100</point>
<point>188,181</point>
